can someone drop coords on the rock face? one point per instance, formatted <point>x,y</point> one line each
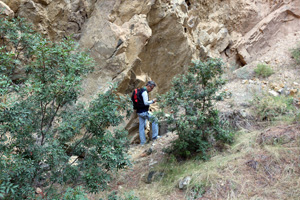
<point>279,22</point>
<point>6,10</point>
<point>139,40</point>
<point>54,18</point>
<point>134,41</point>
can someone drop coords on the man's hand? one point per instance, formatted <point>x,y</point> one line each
<point>154,100</point>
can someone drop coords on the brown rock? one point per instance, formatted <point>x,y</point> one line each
<point>5,10</point>
<point>293,92</point>
<point>38,191</point>
<point>13,4</point>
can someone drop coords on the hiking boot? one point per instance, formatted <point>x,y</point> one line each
<point>155,138</point>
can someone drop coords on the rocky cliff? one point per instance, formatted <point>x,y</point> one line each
<point>138,40</point>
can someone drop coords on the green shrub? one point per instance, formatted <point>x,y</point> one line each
<point>127,196</point>
<point>263,70</point>
<point>42,126</point>
<point>268,108</point>
<point>75,194</point>
<point>296,54</point>
<point>190,103</point>
<point>17,41</point>
<point>297,117</point>
<point>196,192</point>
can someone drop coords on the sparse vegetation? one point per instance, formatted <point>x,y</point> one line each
<point>190,103</point>
<point>297,117</point>
<point>243,73</point>
<point>249,169</point>
<point>296,54</point>
<point>74,194</point>
<point>270,108</point>
<point>126,196</point>
<point>263,70</point>
<point>196,191</point>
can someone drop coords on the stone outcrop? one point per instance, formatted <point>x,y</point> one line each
<point>281,20</point>
<point>138,40</point>
<point>114,45</point>
<point>5,10</point>
<point>54,18</point>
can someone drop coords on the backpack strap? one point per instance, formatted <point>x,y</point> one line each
<point>135,95</point>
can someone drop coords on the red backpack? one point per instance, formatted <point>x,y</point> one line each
<point>137,99</point>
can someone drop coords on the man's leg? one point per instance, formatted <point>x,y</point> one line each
<point>142,123</point>
<point>154,126</point>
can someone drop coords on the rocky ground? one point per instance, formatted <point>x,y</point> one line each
<point>144,160</point>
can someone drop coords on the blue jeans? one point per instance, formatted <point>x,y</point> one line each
<point>142,120</point>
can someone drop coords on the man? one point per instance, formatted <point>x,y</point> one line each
<point>143,112</point>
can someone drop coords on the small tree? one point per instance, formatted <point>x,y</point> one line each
<point>192,114</point>
<point>46,138</point>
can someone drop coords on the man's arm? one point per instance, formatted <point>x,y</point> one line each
<point>146,99</point>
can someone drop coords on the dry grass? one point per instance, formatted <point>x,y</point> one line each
<point>249,169</point>
<point>253,171</point>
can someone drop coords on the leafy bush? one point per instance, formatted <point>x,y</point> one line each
<point>75,194</point>
<point>46,138</point>
<point>263,70</point>
<point>17,41</point>
<point>190,103</point>
<point>269,107</point>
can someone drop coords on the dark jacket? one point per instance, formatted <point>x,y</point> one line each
<point>141,107</point>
